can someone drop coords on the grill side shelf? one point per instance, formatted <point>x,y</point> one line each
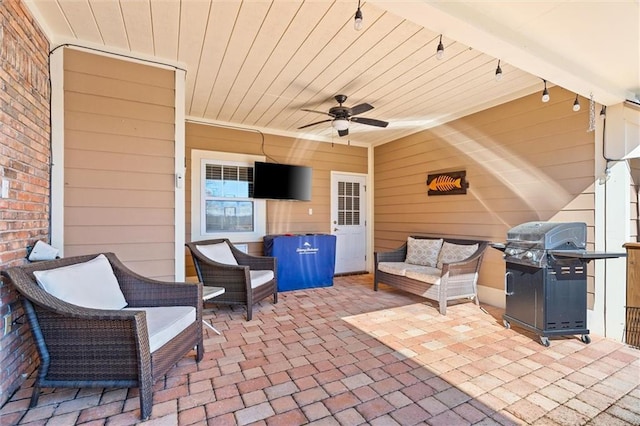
<point>585,255</point>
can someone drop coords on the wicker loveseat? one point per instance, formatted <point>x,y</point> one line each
<point>103,348</point>
<point>447,271</point>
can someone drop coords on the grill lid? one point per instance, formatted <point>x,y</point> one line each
<point>539,244</point>
<point>549,235</point>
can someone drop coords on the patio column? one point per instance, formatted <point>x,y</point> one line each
<point>613,221</point>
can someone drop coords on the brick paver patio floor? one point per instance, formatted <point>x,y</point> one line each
<point>346,355</point>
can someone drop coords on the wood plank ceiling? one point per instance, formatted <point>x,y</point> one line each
<point>257,63</point>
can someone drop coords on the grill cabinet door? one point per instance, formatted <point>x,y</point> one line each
<point>525,304</point>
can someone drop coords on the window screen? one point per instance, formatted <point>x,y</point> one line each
<point>227,198</point>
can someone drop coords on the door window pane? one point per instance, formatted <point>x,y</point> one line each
<point>348,203</point>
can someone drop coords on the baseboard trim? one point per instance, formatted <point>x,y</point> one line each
<point>491,296</point>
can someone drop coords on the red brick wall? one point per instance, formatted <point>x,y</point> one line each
<point>24,163</point>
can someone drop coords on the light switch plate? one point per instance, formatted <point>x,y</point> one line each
<point>4,193</point>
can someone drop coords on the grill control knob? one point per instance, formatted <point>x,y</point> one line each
<point>528,255</point>
<point>510,251</point>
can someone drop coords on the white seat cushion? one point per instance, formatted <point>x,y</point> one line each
<point>90,284</point>
<point>260,277</point>
<point>397,268</point>
<point>166,322</point>
<point>425,274</point>
<point>219,252</point>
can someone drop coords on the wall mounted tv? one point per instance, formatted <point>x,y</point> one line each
<point>281,181</point>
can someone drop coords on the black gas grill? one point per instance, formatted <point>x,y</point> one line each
<point>546,278</point>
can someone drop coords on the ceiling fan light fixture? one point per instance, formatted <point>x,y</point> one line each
<point>440,50</point>
<point>545,93</point>
<point>498,72</point>
<point>357,21</point>
<point>340,124</point>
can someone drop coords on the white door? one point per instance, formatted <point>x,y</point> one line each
<point>348,221</point>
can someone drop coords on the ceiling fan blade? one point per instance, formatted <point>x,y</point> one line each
<point>369,121</point>
<point>360,108</point>
<point>343,132</point>
<point>313,124</point>
<point>318,112</point>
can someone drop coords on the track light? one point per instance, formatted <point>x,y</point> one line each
<point>440,50</point>
<point>357,22</point>
<point>576,104</point>
<point>545,92</point>
<point>498,72</point>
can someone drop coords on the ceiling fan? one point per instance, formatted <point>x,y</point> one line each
<point>342,115</point>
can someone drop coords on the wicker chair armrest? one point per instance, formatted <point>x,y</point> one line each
<point>217,274</point>
<point>90,319</point>
<point>143,291</point>
<point>98,343</point>
<point>397,255</point>
<point>207,263</point>
<point>257,263</point>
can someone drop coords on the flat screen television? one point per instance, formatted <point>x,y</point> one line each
<point>281,181</point>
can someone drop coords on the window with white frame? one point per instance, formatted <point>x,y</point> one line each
<point>222,203</point>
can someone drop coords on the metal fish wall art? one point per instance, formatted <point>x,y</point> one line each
<point>447,183</point>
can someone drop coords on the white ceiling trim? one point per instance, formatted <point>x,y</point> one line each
<point>275,132</point>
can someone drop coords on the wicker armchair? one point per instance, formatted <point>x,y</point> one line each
<point>82,347</point>
<point>236,279</point>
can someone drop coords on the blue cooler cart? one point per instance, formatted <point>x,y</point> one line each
<point>304,261</point>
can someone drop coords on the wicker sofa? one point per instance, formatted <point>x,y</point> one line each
<point>81,346</point>
<point>451,272</point>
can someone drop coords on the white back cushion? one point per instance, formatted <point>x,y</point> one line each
<point>219,252</point>
<point>423,251</point>
<point>455,252</point>
<point>89,284</point>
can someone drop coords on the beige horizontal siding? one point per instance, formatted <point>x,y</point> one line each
<point>119,216</point>
<point>103,142</point>
<point>524,161</point>
<point>119,162</point>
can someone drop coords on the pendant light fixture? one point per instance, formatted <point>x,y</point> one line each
<point>357,22</point>
<point>498,72</point>
<point>545,92</point>
<point>440,50</point>
<point>576,104</point>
